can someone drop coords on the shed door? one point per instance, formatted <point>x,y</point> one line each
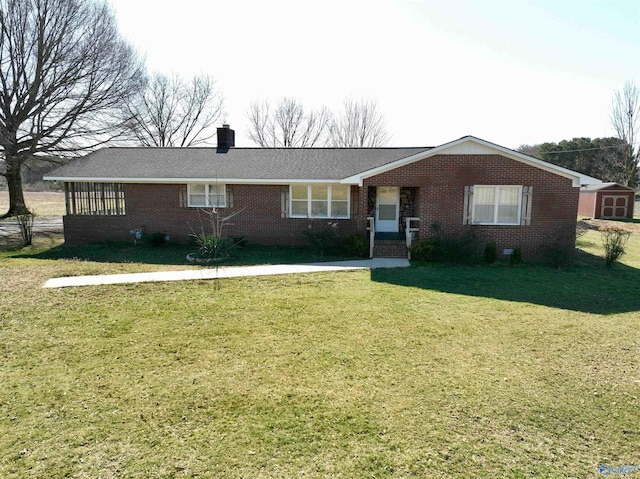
<point>614,206</point>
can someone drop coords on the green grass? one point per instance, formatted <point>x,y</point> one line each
<point>175,254</point>
<point>432,371</point>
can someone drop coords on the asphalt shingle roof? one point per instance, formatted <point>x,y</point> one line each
<point>234,163</point>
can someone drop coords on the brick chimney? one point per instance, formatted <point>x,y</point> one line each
<point>226,137</point>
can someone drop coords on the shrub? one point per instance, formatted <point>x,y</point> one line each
<point>239,241</point>
<point>462,249</point>
<point>559,255</point>
<point>423,250</point>
<point>212,247</point>
<point>490,252</point>
<point>515,258</point>
<point>25,222</point>
<point>560,252</point>
<point>357,245</point>
<point>157,239</point>
<point>321,241</point>
<point>614,240</point>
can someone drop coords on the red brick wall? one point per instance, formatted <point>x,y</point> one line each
<point>442,179</point>
<point>155,208</point>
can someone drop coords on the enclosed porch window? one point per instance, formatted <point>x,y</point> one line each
<point>87,198</point>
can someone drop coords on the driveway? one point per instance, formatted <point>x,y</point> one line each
<point>51,224</point>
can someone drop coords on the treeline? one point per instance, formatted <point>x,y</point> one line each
<point>602,158</point>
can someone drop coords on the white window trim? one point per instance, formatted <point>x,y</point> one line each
<point>329,201</point>
<point>495,211</point>
<point>207,195</point>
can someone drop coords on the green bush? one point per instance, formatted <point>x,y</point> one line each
<point>490,252</point>
<point>515,258</point>
<point>357,245</point>
<point>561,252</point>
<point>559,255</point>
<point>212,247</point>
<point>614,240</point>
<point>456,249</point>
<point>157,239</point>
<point>239,241</point>
<point>423,250</point>
<point>321,241</point>
<point>461,249</point>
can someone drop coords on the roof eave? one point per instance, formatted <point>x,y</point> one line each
<point>245,181</point>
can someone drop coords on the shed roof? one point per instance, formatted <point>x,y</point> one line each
<point>606,186</point>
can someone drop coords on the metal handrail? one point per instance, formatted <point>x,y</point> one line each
<point>408,230</point>
<point>372,233</point>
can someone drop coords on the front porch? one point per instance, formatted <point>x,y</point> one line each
<point>392,222</point>
<point>392,245</point>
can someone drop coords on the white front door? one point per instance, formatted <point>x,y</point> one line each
<point>387,208</point>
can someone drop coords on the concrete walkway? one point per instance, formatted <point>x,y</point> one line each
<point>225,272</point>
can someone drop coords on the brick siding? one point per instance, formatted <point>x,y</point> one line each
<point>441,180</point>
<point>154,208</point>
<point>439,184</point>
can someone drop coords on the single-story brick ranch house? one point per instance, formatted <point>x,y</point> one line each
<point>387,194</point>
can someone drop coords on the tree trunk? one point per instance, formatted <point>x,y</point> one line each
<point>17,205</point>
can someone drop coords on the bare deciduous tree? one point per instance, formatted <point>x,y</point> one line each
<point>65,72</point>
<point>359,125</point>
<point>625,119</point>
<point>171,112</point>
<point>288,126</point>
<point>531,150</point>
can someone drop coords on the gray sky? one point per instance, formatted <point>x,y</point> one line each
<point>510,72</point>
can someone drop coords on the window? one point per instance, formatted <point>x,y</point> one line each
<point>319,201</point>
<point>299,201</point>
<point>207,195</point>
<point>340,201</point>
<point>499,205</point>
<point>95,199</point>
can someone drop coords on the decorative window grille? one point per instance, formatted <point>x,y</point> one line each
<point>86,198</point>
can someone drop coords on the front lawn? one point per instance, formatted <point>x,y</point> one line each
<point>431,371</point>
<point>171,254</point>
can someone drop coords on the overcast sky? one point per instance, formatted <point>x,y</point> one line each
<point>510,72</point>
